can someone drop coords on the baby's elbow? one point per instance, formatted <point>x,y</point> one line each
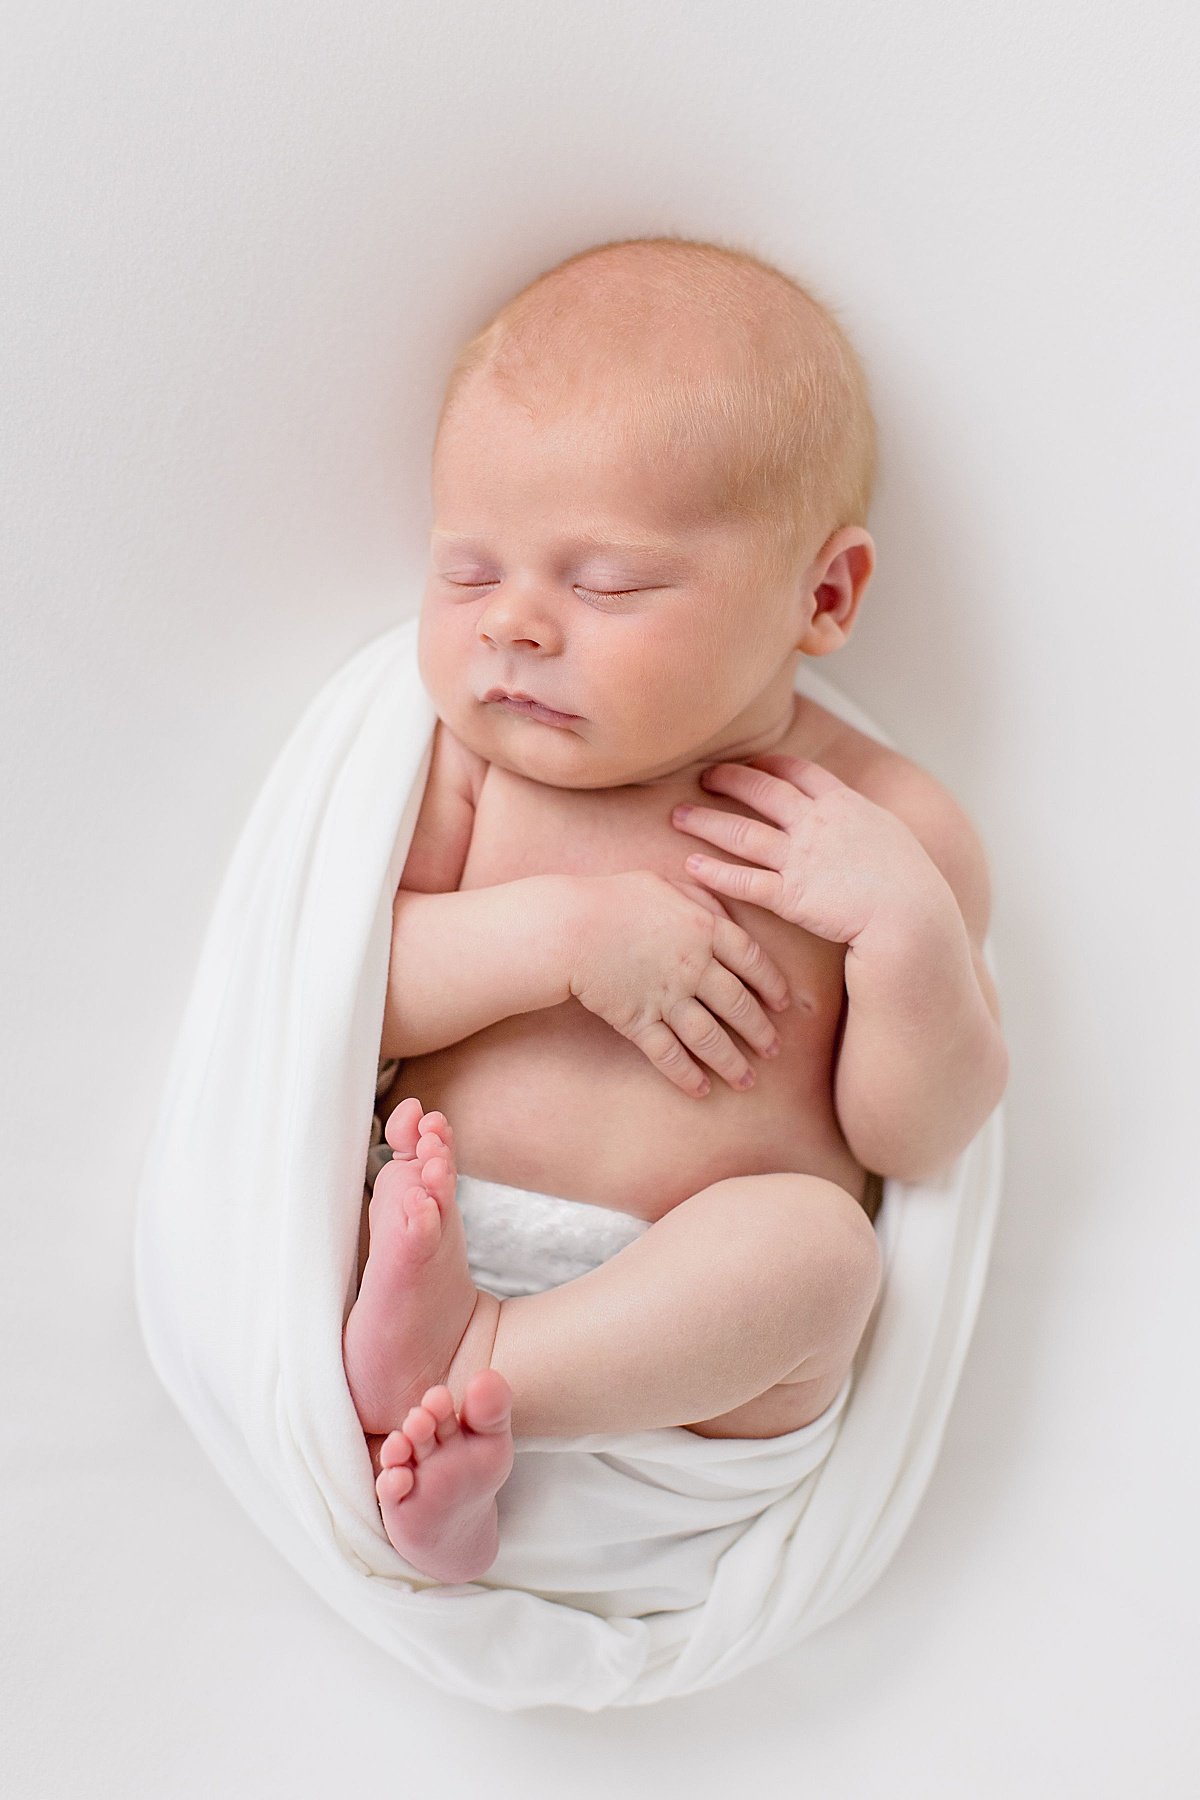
<point>914,1163</point>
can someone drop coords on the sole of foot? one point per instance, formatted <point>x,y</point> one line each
<point>439,1477</point>
<point>418,1325</point>
<point>416,1298</point>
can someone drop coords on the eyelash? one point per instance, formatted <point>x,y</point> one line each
<point>593,593</point>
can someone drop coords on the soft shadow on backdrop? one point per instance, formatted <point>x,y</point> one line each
<point>241,249</point>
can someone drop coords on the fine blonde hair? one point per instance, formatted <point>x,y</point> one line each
<point>705,354</point>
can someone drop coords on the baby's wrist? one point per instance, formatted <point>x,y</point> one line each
<point>909,957</point>
<point>563,927</point>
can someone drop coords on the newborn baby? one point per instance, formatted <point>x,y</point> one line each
<point>670,939</point>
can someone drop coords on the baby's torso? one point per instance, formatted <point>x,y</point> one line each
<point>558,1102</point>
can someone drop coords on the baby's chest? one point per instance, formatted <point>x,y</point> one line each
<point>523,828</point>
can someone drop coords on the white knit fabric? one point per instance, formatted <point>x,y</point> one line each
<point>521,1242</point>
<point>632,1566</point>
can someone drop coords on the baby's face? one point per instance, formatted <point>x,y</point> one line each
<point>586,581</point>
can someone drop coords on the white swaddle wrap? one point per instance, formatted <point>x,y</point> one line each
<point>632,1566</point>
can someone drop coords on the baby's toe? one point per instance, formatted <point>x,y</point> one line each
<point>393,1484</point>
<point>437,1126</point>
<point>423,1217</point>
<point>395,1450</point>
<point>487,1403</point>
<point>435,1155</point>
<point>402,1125</point>
<point>439,1403</point>
<point>420,1428</point>
<point>438,1178</point>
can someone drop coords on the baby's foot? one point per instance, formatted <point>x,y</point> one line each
<point>419,1319</point>
<point>440,1475</point>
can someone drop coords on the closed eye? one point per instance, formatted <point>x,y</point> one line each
<point>592,593</point>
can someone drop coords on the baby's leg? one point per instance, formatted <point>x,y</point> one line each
<point>737,1315</point>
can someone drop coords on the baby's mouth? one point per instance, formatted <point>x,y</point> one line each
<point>530,709</point>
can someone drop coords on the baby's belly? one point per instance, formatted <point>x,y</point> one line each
<point>557,1102</point>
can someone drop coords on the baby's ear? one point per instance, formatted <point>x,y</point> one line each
<point>838,579</point>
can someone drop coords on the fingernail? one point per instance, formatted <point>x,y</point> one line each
<point>772,1049</point>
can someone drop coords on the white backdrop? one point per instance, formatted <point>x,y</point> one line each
<point>240,250</point>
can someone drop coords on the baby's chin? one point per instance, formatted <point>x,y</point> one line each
<point>561,757</point>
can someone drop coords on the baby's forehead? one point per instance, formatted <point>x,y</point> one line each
<point>605,425</point>
<point>673,548</point>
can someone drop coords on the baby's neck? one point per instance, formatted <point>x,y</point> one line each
<point>758,744</point>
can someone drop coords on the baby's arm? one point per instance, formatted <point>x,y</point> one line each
<point>633,948</point>
<point>923,1061</point>
<point>891,867</point>
<point>462,961</point>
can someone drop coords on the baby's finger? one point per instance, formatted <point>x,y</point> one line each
<point>747,958</point>
<point>727,997</point>
<point>696,1027</point>
<point>773,795</point>
<point>760,887</point>
<point>811,778</point>
<point>659,1043</point>
<point>733,831</point>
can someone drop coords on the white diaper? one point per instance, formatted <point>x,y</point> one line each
<point>522,1242</point>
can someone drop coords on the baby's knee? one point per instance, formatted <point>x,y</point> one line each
<point>840,1240</point>
<point>816,1273</point>
<point>798,1208</point>
<point>821,1242</point>
<point>836,1271</point>
<point>803,1245</point>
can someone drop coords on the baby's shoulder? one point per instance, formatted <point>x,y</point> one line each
<point>932,812</point>
<point>875,769</point>
<point>855,757</point>
<point>445,822</point>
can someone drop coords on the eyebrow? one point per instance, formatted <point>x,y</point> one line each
<point>584,540</point>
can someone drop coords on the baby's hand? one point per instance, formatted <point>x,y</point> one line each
<point>662,962</point>
<point>832,861</point>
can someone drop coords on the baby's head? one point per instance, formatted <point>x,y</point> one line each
<point>651,478</point>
